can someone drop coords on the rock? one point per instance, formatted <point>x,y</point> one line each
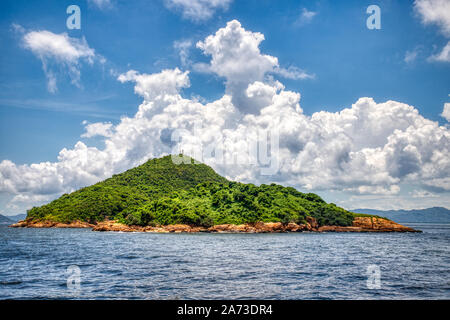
<point>75,224</point>
<point>259,227</point>
<point>50,224</point>
<point>312,222</point>
<point>380,225</point>
<point>19,224</point>
<point>360,224</point>
<point>182,228</point>
<point>115,226</point>
<point>369,224</point>
<point>339,229</point>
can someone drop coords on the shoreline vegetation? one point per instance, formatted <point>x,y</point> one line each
<point>162,196</point>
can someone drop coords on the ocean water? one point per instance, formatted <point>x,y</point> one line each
<point>81,264</point>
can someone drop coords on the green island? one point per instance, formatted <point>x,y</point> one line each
<point>160,192</point>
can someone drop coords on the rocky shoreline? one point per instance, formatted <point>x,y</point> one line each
<point>360,224</point>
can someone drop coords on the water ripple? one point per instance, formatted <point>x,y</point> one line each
<point>33,265</point>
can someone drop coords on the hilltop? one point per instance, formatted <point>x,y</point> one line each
<point>162,193</point>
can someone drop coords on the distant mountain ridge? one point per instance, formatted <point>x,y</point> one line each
<point>12,219</point>
<point>429,215</point>
<point>17,217</point>
<point>5,220</point>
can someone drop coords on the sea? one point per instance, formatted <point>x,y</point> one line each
<point>82,264</point>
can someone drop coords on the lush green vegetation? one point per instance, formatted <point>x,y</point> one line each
<point>160,192</point>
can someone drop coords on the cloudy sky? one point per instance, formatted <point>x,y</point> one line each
<point>362,115</point>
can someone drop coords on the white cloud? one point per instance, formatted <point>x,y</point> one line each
<point>101,4</point>
<point>183,47</point>
<point>58,46</point>
<point>59,51</point>
<point>235,56</point>
<point>103,129</point>
<point>293,73</point>
<point>411,56</point>
<point>18,28</point>
<point>198,10</point>
<point>423,194</point>
<point>26,200</point>
<point>156,86</point>
<point>443,56</point>
<point>446,112</point>
<point>305,17</point>
<point>368,148</point>
<point>435,12</point>
<point>377,190</point>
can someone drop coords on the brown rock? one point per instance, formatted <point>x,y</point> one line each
<point>380,225</point>
<point>115,226</point>
<point>178,228</point>
<point>369,224</point>
<point>360,224</point>
<point>50,224</point>
<point>312,222</point>
<point>339,229</point>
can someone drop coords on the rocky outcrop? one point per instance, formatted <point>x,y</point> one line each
<point>114,226</point>
<point>51,224</point>
<point>260,227</point>
<point>380,225</point>
<point>369,224</point>
<point>360,224</point>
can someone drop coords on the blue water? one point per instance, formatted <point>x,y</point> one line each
<point>34,264</point>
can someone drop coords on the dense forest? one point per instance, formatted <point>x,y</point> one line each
<point>160,192</point>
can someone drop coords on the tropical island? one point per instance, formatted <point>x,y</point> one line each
<point>162,196</point>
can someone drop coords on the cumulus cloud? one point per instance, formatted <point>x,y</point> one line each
<point>446,112</point>
<point>59,51</point>
<point>198,10</point>
<point>435,12</point>
<point>27,200</point>
<point>155,86</point>
<point>98,129</point>
<point>236,56</point>
<point>368,148</point>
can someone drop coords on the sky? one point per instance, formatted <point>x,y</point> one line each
<point>362,115</point>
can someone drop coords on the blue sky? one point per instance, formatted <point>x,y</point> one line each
<point>348,62</point>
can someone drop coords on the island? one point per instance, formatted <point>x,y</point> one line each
<point>163,195</point>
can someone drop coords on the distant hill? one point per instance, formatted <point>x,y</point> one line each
<point>430,215</point>
<point>5,220</point>
<point>160,192</point>
<point>17,217</point>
